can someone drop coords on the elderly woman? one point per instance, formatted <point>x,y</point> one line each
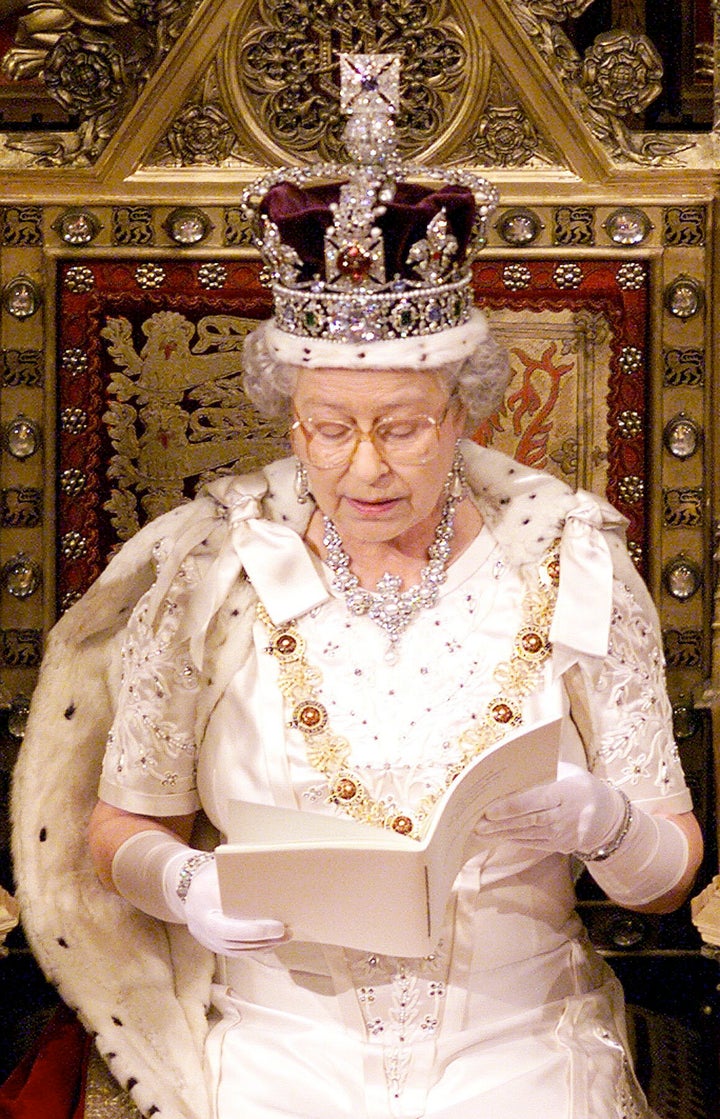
<point>439,595</point>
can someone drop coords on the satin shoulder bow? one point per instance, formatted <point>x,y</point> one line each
<point>273,557</point>
<point>584,604</point>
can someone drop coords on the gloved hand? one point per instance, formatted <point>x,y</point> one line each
<point>578,813</point>
<point>166,879</point>
<point>226,936</point>
<point>633,856</point>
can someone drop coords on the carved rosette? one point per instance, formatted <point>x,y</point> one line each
<point>201,134</point>
<point>622,73</point>
<point>87,74</point>
<point>505,137</point>
<point>619,75</point>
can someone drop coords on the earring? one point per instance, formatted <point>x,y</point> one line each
<point>457,482</point>
<point>302,484</point>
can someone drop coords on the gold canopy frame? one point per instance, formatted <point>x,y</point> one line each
<point>128,278</point>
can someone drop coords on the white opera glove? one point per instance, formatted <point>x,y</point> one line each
<point>166,879</point>
<point>227,936</point>
<point>633,856</point>
<point>578,812</point>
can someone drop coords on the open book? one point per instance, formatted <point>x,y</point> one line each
<point>337,881</point>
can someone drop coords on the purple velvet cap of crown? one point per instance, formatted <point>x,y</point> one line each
<point>303,215</point>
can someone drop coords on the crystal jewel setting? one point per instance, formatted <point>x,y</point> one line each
<point>354,294</point>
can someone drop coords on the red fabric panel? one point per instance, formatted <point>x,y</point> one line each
<point>49,1083</point>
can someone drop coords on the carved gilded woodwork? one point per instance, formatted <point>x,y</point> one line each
<point>93,58</point>
<point>270,90</point>
<point>166,123</point>
<point>620,73</point>
<point>277,73</point>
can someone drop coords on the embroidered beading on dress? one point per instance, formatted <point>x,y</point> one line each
<point>633,706</point>
<point>401,1003</point>
<point>151,743</point>
<point>300,683</point>
<point>630,1102</point>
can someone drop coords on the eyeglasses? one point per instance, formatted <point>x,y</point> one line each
<point>406,441</point>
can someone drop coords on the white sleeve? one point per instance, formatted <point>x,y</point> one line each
<point>150,760</point>
<point>624,714</point>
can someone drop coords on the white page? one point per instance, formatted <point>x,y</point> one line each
<point>338,881</point>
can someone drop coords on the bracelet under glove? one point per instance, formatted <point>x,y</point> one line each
<point>649,862</point>
<point>633,856</point>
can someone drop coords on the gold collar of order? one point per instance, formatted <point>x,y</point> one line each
<point>329,753</point>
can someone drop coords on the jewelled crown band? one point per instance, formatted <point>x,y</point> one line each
<point>413,352</point>
<point>373,251</point>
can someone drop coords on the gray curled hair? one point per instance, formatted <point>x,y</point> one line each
<point>479,381</point>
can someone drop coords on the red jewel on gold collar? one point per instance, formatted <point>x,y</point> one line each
<point>354,262</point>
<point>345,788</point>
<point>552,567</point>
<point>531,644</point>
<point>502,713</point>
<point>286,645</point>
<point>310,717</point>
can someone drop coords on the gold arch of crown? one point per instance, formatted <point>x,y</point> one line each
<point>329,753</point>
<point>357,301</point>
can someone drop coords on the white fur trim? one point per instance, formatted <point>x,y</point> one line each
<point>423,351</point>
<point>146,1003</point>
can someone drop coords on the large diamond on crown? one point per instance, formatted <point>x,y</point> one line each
<point>373,248</point>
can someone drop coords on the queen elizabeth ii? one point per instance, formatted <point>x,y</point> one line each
<point>438,596</point>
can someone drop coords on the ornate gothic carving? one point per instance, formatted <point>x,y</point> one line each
<point>620,74</point>
<point>273,91</point>
<point>291,39</point>
<point>503,135</point>
<point>94,57</point>
<point>270,93</point>
<point>202,134</point>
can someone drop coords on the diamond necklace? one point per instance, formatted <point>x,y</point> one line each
<point>388,606</point>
